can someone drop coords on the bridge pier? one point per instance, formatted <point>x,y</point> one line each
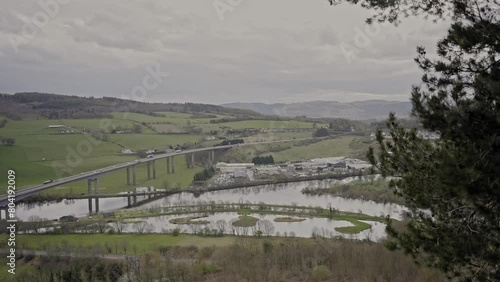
<point>93,195</point>
<point>191,163</point>
<point>149,169</point>
<point>4,210</point>
<point>172,165</point>
<point>96,192</point>
<point>134,179</point>
<point>128,176</point>
<point>89,192</point>
<point>128,199</point>
<point>154,170</point>
<point>211,156</point>
<point>168,165</point>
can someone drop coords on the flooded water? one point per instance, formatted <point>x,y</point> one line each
<point>78,208</point>
<point>279,194</point>
<point>284,194</point>
<point>321,227</point>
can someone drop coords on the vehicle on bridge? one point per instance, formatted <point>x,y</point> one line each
<point>48,181</point>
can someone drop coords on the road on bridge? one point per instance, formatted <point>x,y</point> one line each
<point>30,191</point>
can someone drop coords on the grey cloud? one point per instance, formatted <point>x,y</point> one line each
<point>100,48</point>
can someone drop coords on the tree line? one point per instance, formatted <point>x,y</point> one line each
<point>260,160</point>
<point>204,175</point>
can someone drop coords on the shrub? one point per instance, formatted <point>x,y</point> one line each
<point>176,232</point>
<point>321,273</point>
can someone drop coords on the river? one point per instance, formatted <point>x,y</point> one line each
<point>279,194</point>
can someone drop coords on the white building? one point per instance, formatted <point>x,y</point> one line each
<point>240,174</point>
<point>268,169</point>
<point>225,167</point>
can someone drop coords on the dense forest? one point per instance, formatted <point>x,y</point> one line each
<point>53,106</point>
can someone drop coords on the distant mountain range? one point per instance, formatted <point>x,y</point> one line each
<point>362,110</point>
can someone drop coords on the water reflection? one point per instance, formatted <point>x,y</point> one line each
<point>321,227</point>
<point>279,194</point>
<point>284,194</point>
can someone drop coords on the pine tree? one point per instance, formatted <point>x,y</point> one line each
<point>451,185</point>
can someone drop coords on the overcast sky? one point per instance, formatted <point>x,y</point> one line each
<point>213,51</point>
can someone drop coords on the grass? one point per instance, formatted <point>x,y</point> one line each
<point>189,220</point>
<point>201,242</point>
<point>245,221</point>
<point>15,128</point>
<point>152,141</point>
<point>26,156</point>
<point>358,227</point>
<point>270,136</point>
<point>142,243</point>
<point>7,277</point>
<point>267,124</point>
<point>288,219</point>
<point>335,147</point>
<point>170,117</point>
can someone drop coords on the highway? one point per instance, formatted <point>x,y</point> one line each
<point>29,191</point>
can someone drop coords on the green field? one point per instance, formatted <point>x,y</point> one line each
<point>140,243</point>
<point>15,128</point>
<point>246,221</point>
<point>7,277</point>
<point>335,147</point>
<point>42,153</point>
<point>169,117</point>
<point>151,141</point>
<point>271,136</point>
<point>267,124</point>
<point>27,156</point>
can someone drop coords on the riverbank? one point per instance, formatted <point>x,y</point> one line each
<point>47,198</point>
<point>356,219</point>
<point>369,190</point>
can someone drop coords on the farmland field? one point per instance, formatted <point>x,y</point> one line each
<point>30,127</point>
<point>39,147</point>
<point>27,156</point>
<point>142,243</point>
<point>267,124</point>
<point>150,141</point>
<point>335,147</point>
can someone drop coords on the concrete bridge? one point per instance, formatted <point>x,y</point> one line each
<point>92,177</point>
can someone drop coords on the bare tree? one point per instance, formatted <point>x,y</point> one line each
<point>119,225</point>
<point>221,225</point>
<point>266,226</point>
<point>101,225</point>
<point>140,226</point>
<point>36,223</point>
<point>143,227</point>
